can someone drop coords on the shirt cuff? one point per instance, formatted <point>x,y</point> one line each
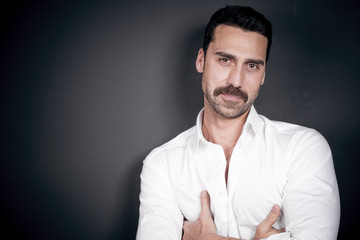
<point>279,236</point>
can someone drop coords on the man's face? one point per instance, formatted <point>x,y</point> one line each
<point>233,70</point>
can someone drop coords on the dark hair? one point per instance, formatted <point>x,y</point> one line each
<point>245,18</point>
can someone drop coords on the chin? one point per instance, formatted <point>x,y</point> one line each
<point>231,113</point>
<point>234,112</point>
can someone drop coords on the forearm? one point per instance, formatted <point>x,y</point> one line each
<point>228,238</point>
<point>217,237</point>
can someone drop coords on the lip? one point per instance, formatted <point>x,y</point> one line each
<point>228,97</point>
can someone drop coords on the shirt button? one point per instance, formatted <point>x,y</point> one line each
<point>221,193</point>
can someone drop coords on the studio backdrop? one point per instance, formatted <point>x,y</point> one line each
<point>89,88</point>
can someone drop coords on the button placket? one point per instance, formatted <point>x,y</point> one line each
<point>221,198</point>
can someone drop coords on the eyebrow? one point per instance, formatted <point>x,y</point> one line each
<point>227,55</point>
<point>256,61</point>
<point>233,57</point>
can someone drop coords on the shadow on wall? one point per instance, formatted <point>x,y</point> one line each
<point>125,224</point>
<point>189,100</point>
<point>189,96</point>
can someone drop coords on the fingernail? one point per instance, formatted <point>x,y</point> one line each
<point>204,193</point>
<point>275,208</point>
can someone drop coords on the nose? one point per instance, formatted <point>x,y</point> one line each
<point>236,76</point>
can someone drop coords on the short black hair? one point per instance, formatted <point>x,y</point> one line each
<point>245,18</point>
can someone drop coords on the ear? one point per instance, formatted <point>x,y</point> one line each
<point>200,61</point>
<point>263,80</point>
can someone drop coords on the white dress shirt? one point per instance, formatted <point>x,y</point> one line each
<point>272,163</point>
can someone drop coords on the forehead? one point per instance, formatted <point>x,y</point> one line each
<point>237,41</point>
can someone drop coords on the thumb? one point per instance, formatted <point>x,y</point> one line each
<point>205,203</point>
<point>272,216</point>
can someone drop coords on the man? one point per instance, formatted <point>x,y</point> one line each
<point>263,179</point>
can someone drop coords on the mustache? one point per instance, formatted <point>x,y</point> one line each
<point>231,90</point>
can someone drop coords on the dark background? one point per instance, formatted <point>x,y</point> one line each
<point>89,88</point>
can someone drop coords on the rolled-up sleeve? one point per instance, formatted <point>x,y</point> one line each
<point>160,217</point>
<point>311,204</point>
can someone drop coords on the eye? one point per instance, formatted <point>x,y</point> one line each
<point>253,66</point>
<point>224,60</point>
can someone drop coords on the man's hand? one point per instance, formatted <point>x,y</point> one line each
<point>265,229</point>
<point>204,227</point>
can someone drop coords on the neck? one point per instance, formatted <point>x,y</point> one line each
<point>223,131</point>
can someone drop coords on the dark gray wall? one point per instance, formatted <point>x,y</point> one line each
<point>88,89</point>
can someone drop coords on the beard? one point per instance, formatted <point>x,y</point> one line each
<point>229,109</point>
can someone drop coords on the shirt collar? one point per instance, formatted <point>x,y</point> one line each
<point>253,124</point>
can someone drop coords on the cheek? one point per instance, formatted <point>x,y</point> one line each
<point>255,79</point>
<point>215,77</point>
<point>254,90</point>
<point>206,84</point>
<point>253,84</point>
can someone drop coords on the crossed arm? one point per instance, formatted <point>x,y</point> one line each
<point>204,227</point>
<point>311,211</point>
<point>310,201</point>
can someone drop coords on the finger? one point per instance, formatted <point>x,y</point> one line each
<point>272,216</point>
<point>205,203</point>
<point>185,223</point>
